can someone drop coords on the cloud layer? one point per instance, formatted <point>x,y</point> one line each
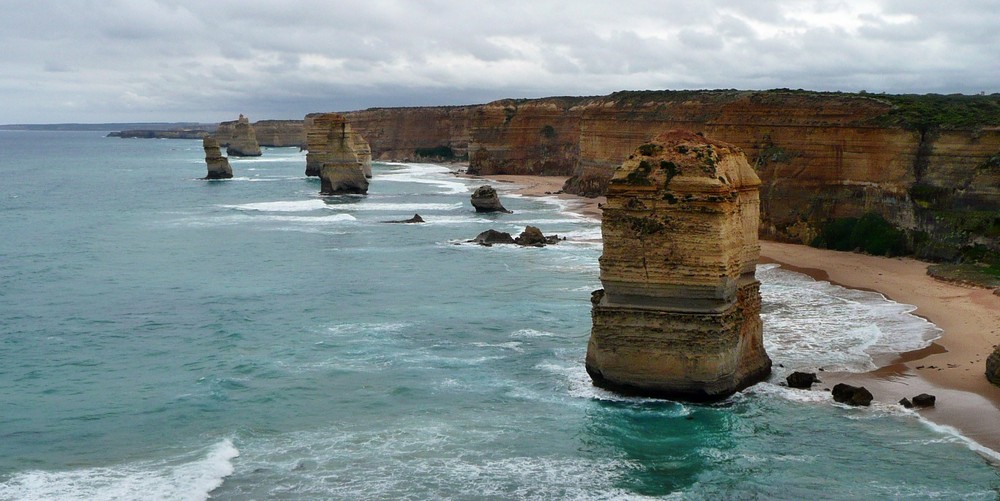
<point>143,60</point>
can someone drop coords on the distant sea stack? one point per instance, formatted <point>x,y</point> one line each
<point>218,165</point>
<point>679,315</point>
<point>364,152</point>
<point>333,155</point>
<point>243,139</point>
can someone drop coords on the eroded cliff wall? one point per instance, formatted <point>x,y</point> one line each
<point>415,134</point>
<point>821,157</point>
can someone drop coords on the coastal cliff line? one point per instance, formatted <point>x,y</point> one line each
<point>925,169</point>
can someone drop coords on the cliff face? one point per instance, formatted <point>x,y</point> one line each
<point>820,157</point>
<point>537,137</point>
<point>679,315</point>
<point>432,134</point>
<point>280,133</point>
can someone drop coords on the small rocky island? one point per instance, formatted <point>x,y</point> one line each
<point>679,315</point>
<point>242,138</point>
<point>218,165</point>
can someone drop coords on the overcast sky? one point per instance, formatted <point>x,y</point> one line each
<point>209,60</point>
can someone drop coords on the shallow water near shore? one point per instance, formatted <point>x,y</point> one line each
<point>166,337</point>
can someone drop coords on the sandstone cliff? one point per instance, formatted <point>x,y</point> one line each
<point>239,138</point>
<point>333,155</point>
<point>679,313</point>
<point>921,163</point>
<point>431,134</point>
<point>280,133</point>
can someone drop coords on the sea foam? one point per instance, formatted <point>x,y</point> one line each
<point>190,477</point>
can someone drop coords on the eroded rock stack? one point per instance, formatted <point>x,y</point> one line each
<point>218,165</point>
<point>364,152</point>
<point>679,315</point>
<point>244,140</point>
<point>333,156</point>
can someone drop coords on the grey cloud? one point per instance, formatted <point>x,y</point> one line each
<point>206,60</point>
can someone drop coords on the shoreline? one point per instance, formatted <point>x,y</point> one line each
<point>952,367</point>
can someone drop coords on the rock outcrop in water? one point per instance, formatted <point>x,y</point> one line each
<point>486,199</point>
<point>243,139</point>
<point>333,155</point>
<point>679,315</point>
<point>218,165</point>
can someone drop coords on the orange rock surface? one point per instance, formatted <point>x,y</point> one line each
<point>679,315</point>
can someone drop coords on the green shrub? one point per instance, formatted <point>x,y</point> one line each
<point>871,233</point>
<point>435,152</point>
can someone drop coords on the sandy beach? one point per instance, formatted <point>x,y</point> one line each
<point>952,368</point>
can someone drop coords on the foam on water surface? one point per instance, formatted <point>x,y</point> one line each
<point>189,477</point>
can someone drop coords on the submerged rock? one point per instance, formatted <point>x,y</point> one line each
<point>218,165</point>
<point>491,236</point>
<point>680,313</point>
<point>485,199</point>
<point>802,380</point>
<point>415,219</point>
<point>531,236</point>
<point>244,140</point>
<point>852,395</point>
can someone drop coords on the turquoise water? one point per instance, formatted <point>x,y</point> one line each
<point>165,337</point>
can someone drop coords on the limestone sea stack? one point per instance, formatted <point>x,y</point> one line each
<point>679,315</point>
<point>364,152</point>
<point>218,165</point>
<point>244,140</point>
<point>333,155</point>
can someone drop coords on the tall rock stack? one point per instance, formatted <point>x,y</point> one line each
<point>364,152</point>
<point>244,140</point>
<point>332,155</point>
<point>679,315</point>
<point>218,165</point>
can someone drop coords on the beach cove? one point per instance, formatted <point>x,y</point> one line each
<point>952,367</point>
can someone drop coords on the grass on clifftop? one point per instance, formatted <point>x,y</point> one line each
<point>911,111</point>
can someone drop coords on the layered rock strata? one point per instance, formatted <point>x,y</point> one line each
<point>333,155</point>
<point>679,313</point>
<point>242,141</point>
<point>218,165</point>
<point>820,156</point>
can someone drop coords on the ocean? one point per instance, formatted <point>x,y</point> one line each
<point>165,337</point>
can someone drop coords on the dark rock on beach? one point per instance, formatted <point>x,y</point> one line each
<point>905,402</point>
<point>852,395</point>
<point>485,199</point>
<point>993,365</point>
<point>924,400</point>
<point>802,380</point>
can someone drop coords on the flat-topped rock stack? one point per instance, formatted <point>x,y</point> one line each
<point>243,142</point>
<point>333,155</point>
<point>218,165</point>
<point>364,152</point>
<point>679,315</point>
